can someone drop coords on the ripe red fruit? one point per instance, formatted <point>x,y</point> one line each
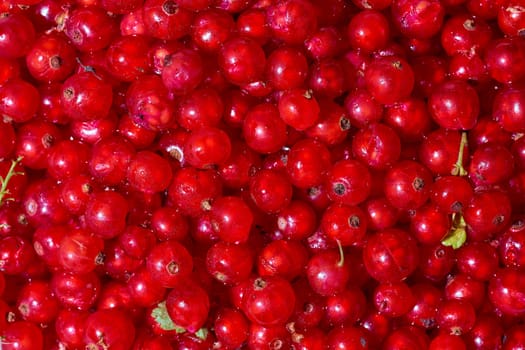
<point>390,255</point>
<point>407,185</point>
<point>111,328</point>
<point>188,307</point>
<point>389,79</point>
<point>148,172</point>
<point>18,35</point>
<point>85,96</point>
<point>169,263</point>
<point>232,219</point>
<point>454,105</point>
<point>269,301</point>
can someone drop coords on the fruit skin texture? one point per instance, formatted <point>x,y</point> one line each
<point>269,301</point>
<point>188,307</point>
<point>505,291</point>
<point>390,255</point>
<point>112,328</point>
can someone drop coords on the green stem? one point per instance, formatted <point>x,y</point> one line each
<point>5,181</point>
<point>458,169</point>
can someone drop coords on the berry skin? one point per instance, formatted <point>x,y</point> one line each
<point>169,263</point>
<point>269,301</point>
<point>148,172</point>
<point>18,100</point>
<point>232,219</point>
<point>52,58</point>
<point>389,79</point>
<point>390,255</point>
<point>344,224</point>
<point>454,105</point>
<point>111,328</point>
<point>188,307</point>
<point>349,182</point>
<point>86,97</point>
<point>18,35</point>
<point>407,185</point>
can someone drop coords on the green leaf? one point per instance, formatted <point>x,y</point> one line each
<point>202,333</point>
<point>456,238</point>
<point>163,319</point>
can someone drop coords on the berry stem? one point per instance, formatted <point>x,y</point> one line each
<point>341,261</point>
<point>458,169</point>
<point>5,181</point>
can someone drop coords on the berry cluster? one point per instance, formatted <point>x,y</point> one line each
<point>262,174</point>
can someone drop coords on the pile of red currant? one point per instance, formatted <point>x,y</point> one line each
<point>262,174</point>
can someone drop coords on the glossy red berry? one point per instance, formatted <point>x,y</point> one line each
<point>18,35</point>
<point>169,263</point>
<point>86,96</point>
<point>407,185</point>
<point>188,307</point>
<point>232,219</point>
<point>52,58</point>
<point>390,255</point>
<point>349,182</point>
<point>269,301</point>
<point>389,79</point>
<point>109,328</point>
<point>454,105</point>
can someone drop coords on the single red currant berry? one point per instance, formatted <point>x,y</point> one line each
<point>19,101</point>
<point>169,263</point>
<point>487,214</point>
<point>505,59</point>
<point>22,335</point>
<point>298,108</point>
<point>349,182</point>
<point>188,307</point>
<point>270,190</point>
<point>368,30</point>
<point>86,96</point>
<point>390,255</point>
<point>263,129</point>
<point>148,172</point>
<point>418,18</point>
<point>307,163</point>
<point>36,302</point>
<point>18,35</point>
<point>148,103</point>
<point>183,71</point>
<point>166,20</point>
<point>454,105</point>
<point>269,301</point>
<point>106,213</point>
<point>111,328</point>
<point>286,68</point>
<point>377,145</point>
<point>241,60</point>
<point>52,58</point>
<point>125,57</point>
<point>328,272</point>
<point>232,219</point>
<point>393,299</point>
<point>90,29</point>
<point>292,21</point>
<point>231,327</point>
<point>407,185</point>
<point>509,109</point>
<point>389,79</point>
<point>207,147</point>
<point>511,18</point>
<point>297,221</point>
<point>211,28</point>
<point>344,224</point>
